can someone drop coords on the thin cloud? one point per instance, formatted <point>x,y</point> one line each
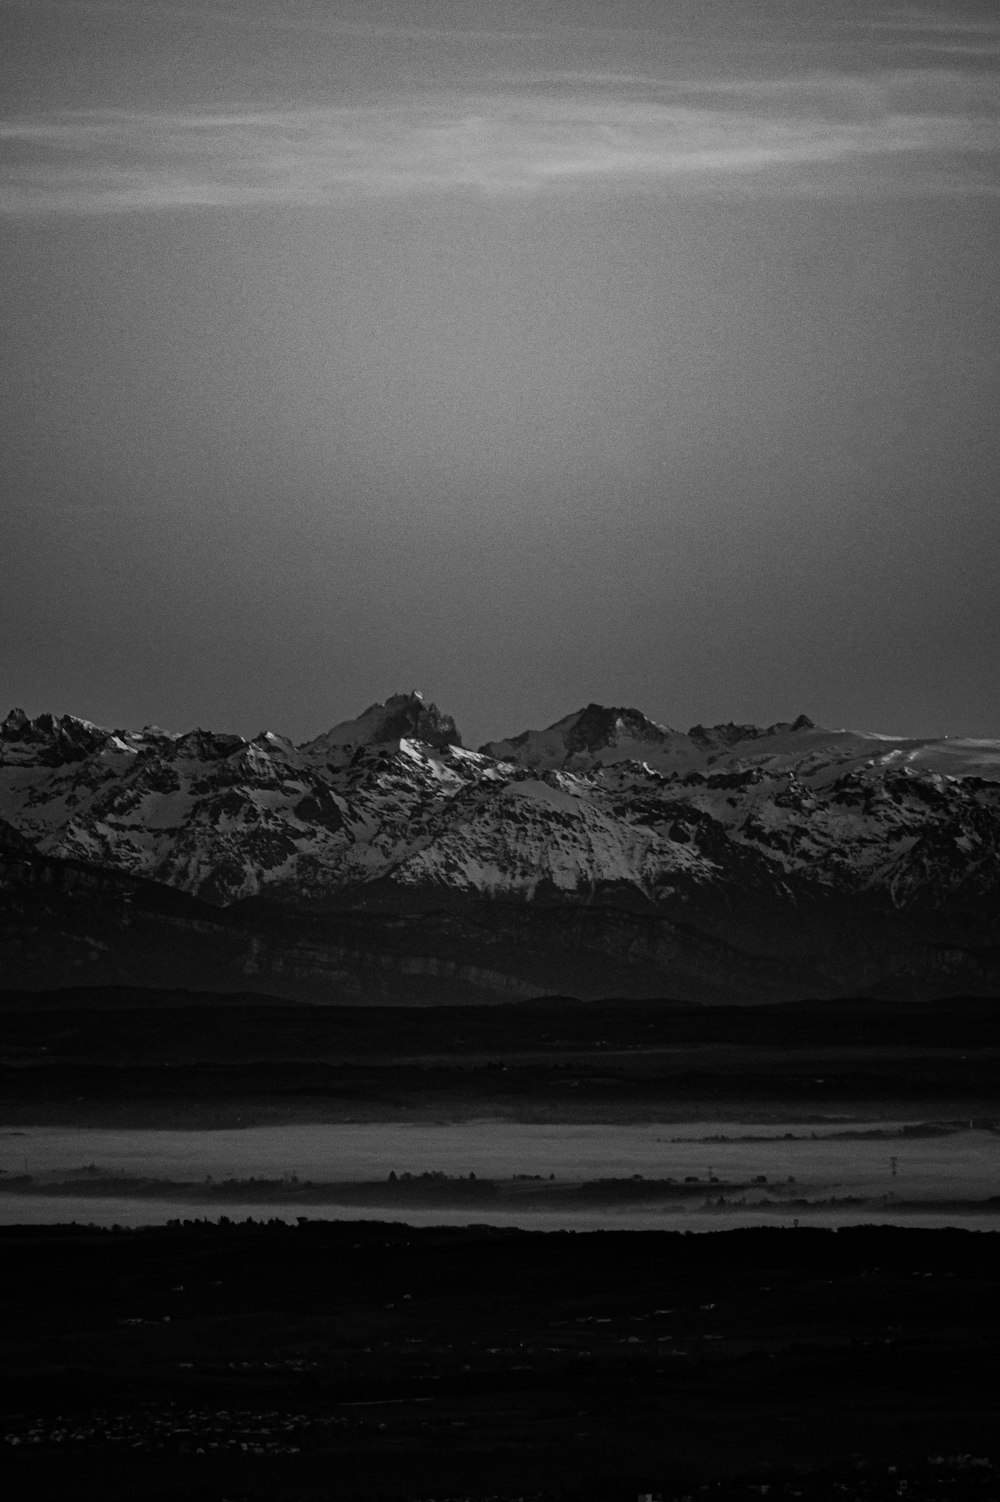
<point>942,35</point>
<point>264,15</point>
<point>915,20</point>
<point>913,130</point>
<point>954,49</point>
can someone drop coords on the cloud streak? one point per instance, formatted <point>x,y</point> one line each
<point>922,131</point>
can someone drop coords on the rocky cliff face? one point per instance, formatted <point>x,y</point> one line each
<point>605,854</point>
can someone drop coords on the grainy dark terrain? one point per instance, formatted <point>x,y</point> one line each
<point>341,1360</point>
<point>358,1359</point>
<point>132,1057</point>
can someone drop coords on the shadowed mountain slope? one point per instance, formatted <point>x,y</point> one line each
<point>604,854</point>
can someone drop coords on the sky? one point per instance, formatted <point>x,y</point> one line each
<point>523,354</point>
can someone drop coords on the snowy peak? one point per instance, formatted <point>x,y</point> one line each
<point>722,737</point>
<point>401,717</point>
<point>597,735</point>
<point>599,738</point>
<point>598,728</point>
<point>603,736</point>
<point>48,739</point>
<point>206,745</point>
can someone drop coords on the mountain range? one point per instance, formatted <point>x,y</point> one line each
<point>603,855</point>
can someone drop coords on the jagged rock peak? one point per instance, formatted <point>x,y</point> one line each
<point>401,717</point>
<point>58,737</point>
<point>731,734</point>
<point>596,733</point>
<point>600,725</point>
<point>20,726</point>
<point>206,745</point>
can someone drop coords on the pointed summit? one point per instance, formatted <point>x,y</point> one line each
<point>15,724</point>
<point>401,717</point>
<point>599,727</point>
<point>597,735</point>
<point>51,739</point>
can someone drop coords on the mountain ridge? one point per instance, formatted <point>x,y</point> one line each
<point>409,715</point>
<point>729,855</point>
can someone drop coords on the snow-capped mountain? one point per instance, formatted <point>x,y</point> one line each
<point>788,857</point>
<point>401,717</point>
<point>598,736</point>
<point>594,737</point>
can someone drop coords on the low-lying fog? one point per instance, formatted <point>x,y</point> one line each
<point>806,1163</point>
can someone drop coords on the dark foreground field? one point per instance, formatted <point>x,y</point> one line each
<point>129,1057</point>
<point>365,1360</point>
<point>349,1360</point>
